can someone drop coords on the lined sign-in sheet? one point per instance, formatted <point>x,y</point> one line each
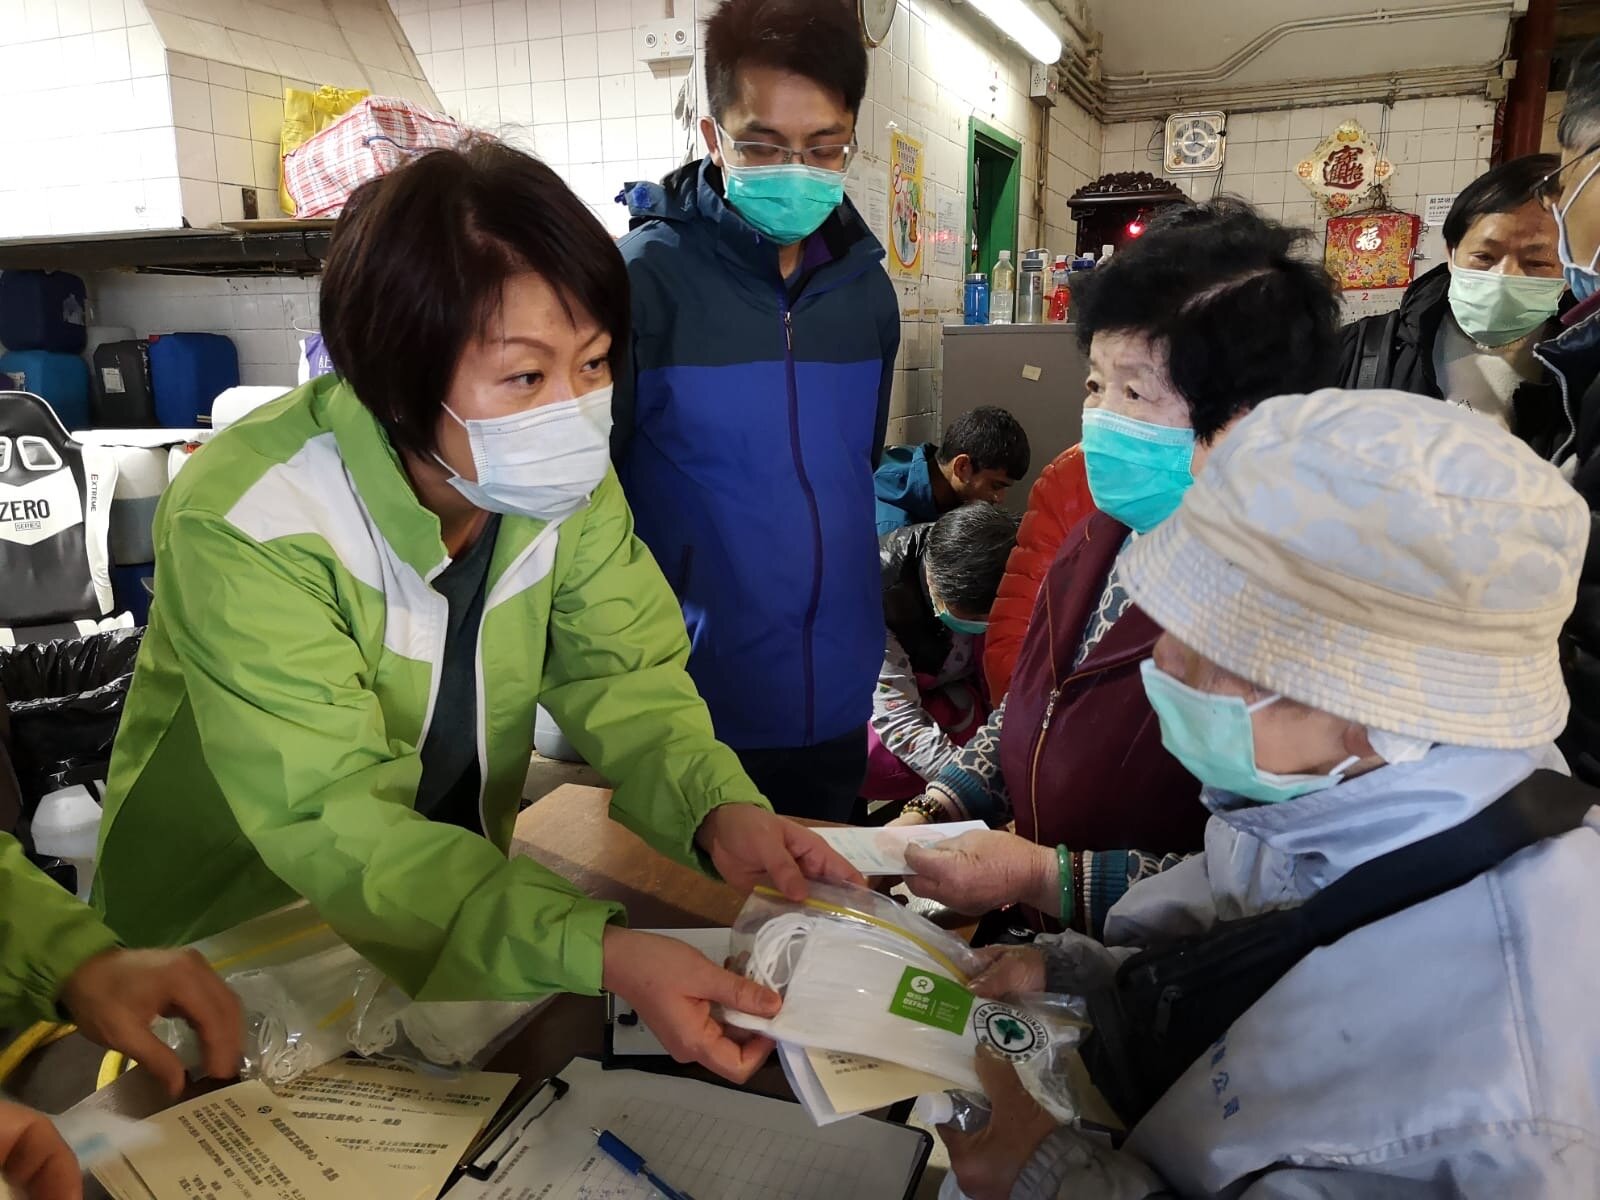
<point>714,1142</point>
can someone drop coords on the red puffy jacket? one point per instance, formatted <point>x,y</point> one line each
<point>1058,500</point>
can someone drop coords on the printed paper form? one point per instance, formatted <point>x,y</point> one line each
<point>716,1143</point>
<point>883,851</point>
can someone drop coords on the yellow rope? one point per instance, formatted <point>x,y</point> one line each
<point>34,1038</point>
<point>111,1066</point>
<point>932,951</point>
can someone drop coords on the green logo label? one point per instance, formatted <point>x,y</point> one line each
<point>1011,1033</point>
<point>931,1000</point>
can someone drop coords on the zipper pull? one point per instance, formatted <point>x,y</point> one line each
<point>788,328</point>
<point>1049,708</point>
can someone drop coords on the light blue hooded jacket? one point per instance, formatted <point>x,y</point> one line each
<point>1450,1050</point>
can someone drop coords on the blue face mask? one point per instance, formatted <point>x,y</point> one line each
<point>1138,472</point>
<point>1214,739</point>
<point>1582,281</point>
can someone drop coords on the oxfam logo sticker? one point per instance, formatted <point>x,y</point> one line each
<point>1011,1034</point>
<point>922,984</point>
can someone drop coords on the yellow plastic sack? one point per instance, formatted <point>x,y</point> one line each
<point>305,114</point>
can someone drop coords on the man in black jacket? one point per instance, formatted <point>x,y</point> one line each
<point>1468,330</point>
<point>1573,197</point>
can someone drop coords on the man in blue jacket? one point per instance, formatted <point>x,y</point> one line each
<point>983,455</point>
<point>765,333</point>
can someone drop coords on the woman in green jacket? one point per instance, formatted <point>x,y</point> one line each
<point>362,590</point>
<point>59,961</point>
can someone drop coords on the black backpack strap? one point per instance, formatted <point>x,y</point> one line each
<point>1374,349</point>
<point>1544,805</point>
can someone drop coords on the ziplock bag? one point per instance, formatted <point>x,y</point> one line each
<point>861,975</point>
<point>309,998</point>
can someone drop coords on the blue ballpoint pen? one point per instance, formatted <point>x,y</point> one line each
<point>632,1162</point>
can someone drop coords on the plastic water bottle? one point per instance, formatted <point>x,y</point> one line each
<point>67,826</point>
<point>1002,290</point>
<point>975,300</point>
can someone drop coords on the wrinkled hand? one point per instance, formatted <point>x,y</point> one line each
<point>987,1163</point>
<point>1007,971</point>
<point>33,1157</point>
<point>986,869</point>
<point>672,987</point>
<point>114,997</point>
<point>748,844</point>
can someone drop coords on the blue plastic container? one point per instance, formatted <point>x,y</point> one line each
<point>61,380</point>
<point>187,372</point>
<point>975,300</point>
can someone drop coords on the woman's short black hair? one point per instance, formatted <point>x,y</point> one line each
<point>1241,315</point>
<point>817,39</point>
<point>1499,189</point>
<point>417,264</point>
<point>967,552</point>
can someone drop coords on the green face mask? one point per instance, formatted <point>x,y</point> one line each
<point>788,202</point>
<point>1494,309</point>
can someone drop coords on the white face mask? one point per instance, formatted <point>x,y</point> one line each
<point>543,463</point>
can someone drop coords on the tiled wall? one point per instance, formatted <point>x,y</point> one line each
<point>560,77</point>
<point>1437,147</point>
<point>263,316</point>
<point>105,157</point>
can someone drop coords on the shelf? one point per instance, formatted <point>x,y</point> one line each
<point>244,248</point>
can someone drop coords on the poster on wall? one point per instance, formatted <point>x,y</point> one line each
<point>905,235</point>
<point>1345,170</point>
<point>1371,251</point>
<point>950,229</point>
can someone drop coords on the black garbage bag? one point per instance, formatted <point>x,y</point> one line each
<point>65,700</point>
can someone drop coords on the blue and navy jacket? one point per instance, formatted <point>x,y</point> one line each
<point>903,486</point>
<point>746,436</point>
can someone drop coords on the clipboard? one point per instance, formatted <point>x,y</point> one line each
<point>718,1143</point>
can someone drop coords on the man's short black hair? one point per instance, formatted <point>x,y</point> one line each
<point>991,437</point>
<point>1242,316</point>
<point>417,264</point>
<point>1499,189</point>
<point>967,552</point>
<point>817,39</point>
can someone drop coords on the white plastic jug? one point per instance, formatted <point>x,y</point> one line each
<point>67,826</point>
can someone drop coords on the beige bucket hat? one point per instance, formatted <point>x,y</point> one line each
<point>1383,557</point>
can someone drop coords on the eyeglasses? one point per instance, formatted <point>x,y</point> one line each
<point>765,154</point>
<point>1549,190</point>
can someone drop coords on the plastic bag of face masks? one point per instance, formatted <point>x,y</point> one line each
<point>859,974</point>
<point>309,998</point>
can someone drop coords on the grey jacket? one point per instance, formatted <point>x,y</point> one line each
<point>1450,1050</point>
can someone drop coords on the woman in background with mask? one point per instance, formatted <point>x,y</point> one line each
<point>1352,563</point>
<point>1187,329</point>
<point>363,590</point>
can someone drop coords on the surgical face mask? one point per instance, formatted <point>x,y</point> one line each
<point>543,463</point>
<point>1214,739</point>
<point>1494,309</point>
<point>788,201</point>
<point>1398,747</point>
<point>1138,471</point>
<point>1583,280</point>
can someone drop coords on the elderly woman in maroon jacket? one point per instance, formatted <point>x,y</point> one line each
<point>1212,312</point>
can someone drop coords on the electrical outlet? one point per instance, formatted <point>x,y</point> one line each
<point>663,41</point>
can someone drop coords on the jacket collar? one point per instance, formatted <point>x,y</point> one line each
<point>842,248</point>
<point>1341,827</point>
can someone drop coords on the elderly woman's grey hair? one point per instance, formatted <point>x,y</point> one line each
<point>1580,119</point>
<point>967,552</point>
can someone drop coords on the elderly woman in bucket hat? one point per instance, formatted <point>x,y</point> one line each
<point>1361,600</point>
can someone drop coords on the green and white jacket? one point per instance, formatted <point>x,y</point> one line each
<point>270,746</point>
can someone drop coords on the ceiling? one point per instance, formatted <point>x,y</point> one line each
<point>1194,48</point>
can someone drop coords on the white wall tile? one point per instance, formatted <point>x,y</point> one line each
<point>477,25</point>
<point>1439,145</point>
<point>516,104</point>
<point>544,18</point>
<point>580,56</point>
<point>449,71</point>
<point>616,96</point>
<point>510,21</point>
<point>444,27</point>
<point>615,52</point>
<point>552,142</point>
<point>1272,126</point>
<point>546,62</point>
<point>234,163</point>
<point>583,99</point>
<point>549,102</point>
<point>614,14</point>
<point>1441,112</point>
<point>266,117</point>
<point>478,63</point>
<point>583,145</point>
<point>512,64</point>
<point>577,16</point>
<point>191,104</point>
<point>230,113</point>
<point>1241,128</point>
<point>1308,123</point>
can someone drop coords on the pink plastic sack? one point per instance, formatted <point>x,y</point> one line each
<point>372,139</point>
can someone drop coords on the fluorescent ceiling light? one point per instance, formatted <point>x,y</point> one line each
<point>1019,22</point>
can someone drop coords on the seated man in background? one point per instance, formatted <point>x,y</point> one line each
<point>983,454</point>
<point>1466,331</point>
<point>939,582</point>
